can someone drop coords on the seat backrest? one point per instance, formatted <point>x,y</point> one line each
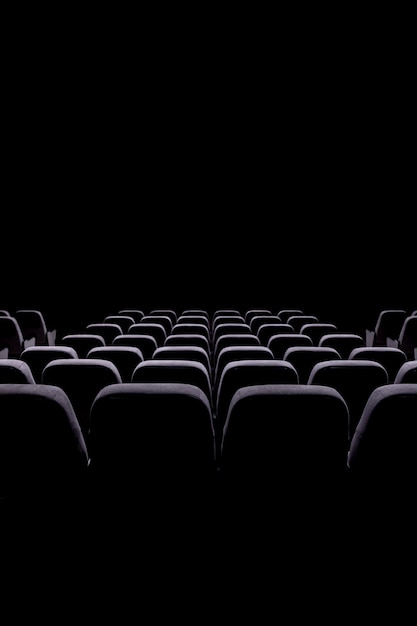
<point>108,330</point>
<point>228,329</point>
<point>37,357</point>
<point>257,321</point>
<point>316,330</point>
<point>11,337</point>
<point>43,454</point>
<point>187,318</point>
<point>33,326</point>
<point>267,330</point>
<point>81,379</point>
<point>234,339</point>
<point>171,313</point>
<point>124,321</point>
<point>157,331</point>
<point>189,353</point>
<point>234,353</point>
<point>152,438</point>
<point>137,314</point>
<point>286,439</point>
<point>407,339</point>
<point>305,357</point>
<point>195,311</point>
<point>15,371</point>
<point>284,314</point>
<point>391,358</point>
<point>174,371</point>
<point>382,456</point>
<point>297,321</point>
<point>279,343</point>
<point>353,379</point>
<point>388,326</point>
<point>146,343</point>
<point>251,313</point>
<point>245,372</point>
<point>188,339</point>
<point>125,358</point>
<point>163,320</point>
<point>82,342</point>
<point>407,372</point>
<point>344,343</point>
<point>185,328</point>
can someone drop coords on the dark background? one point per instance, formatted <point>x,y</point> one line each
<point>212,161</point>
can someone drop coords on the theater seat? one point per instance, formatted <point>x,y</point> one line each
<point>15,371</point>
<point>152,448</point>
<point>284,454</point>
<point>125,358</point>
<point>354,379</point>
<point>387,327</point>
<point>81,379</point>
<point>37,357</point>
<point>382,456</point>
<point>407,372</point>
<point>12,342</point>
<point>43,455</point>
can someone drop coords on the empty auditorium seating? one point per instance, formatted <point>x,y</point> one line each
<point>234,408</point>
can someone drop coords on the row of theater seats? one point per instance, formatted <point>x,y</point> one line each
<point>191,407</point>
